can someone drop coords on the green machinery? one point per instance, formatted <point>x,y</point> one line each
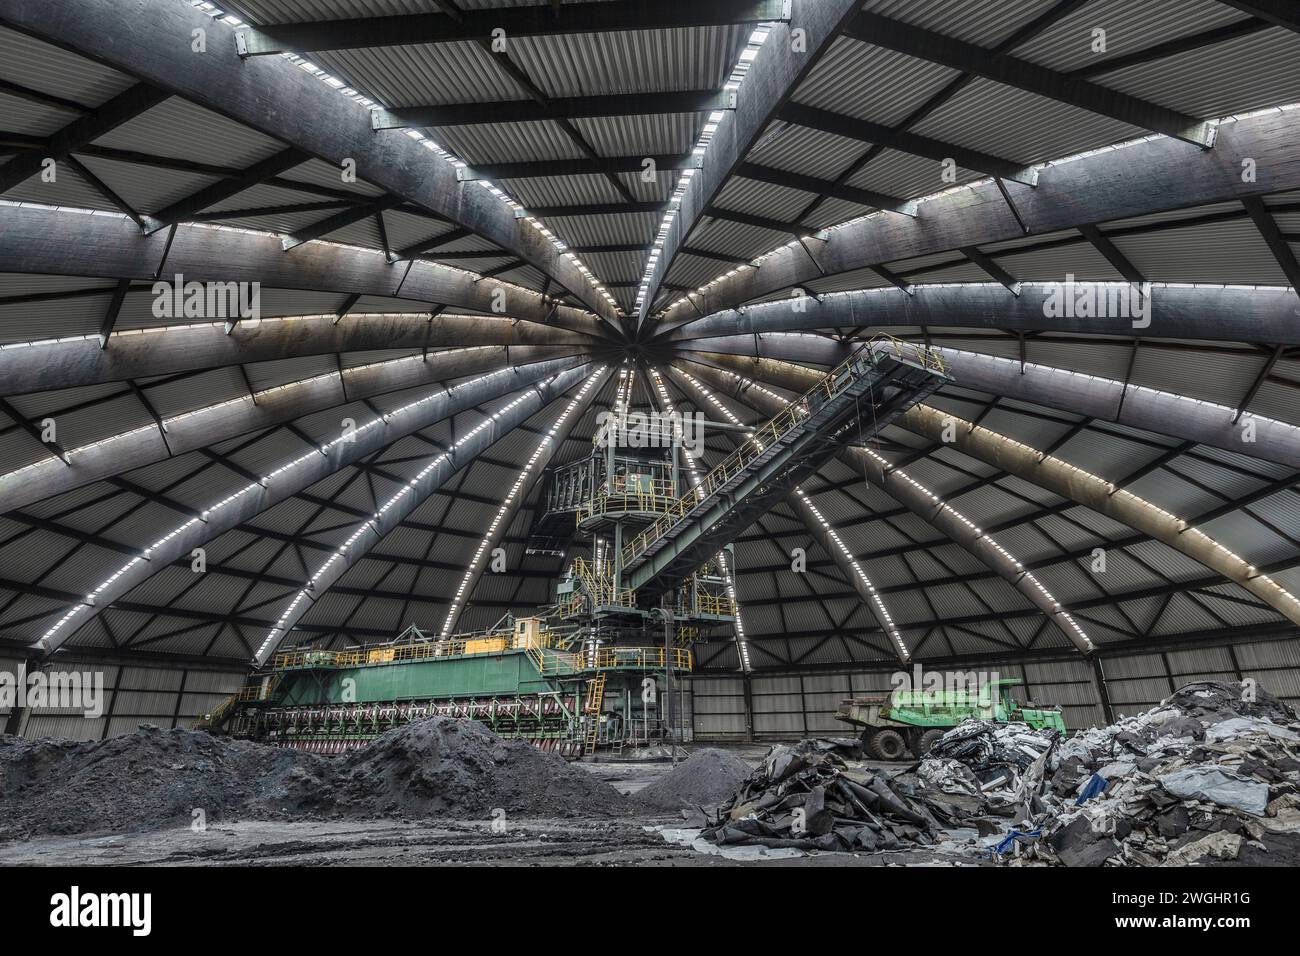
<point>892,724</point>
<point>647,575</point>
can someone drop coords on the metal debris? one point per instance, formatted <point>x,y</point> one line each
<point>1210,776</point>
<point>815,796</point>
<point>1212,770</point>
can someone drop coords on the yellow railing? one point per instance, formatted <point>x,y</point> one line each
<point>245,695</point>
<point>640,658</point>
<point>600,586</point>
<point>765,434</point>
<point>718,604</point>
<point>486,642</point>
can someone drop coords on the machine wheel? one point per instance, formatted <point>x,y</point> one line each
<point>887,744</point>
<point>927,740</point>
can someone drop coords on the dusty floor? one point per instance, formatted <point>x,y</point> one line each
<point>534,842</point>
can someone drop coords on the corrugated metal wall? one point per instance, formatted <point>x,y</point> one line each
<point>781,706</point>
<point>139,693</point>
<point>795,704</point>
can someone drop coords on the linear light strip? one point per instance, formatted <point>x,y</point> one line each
<point>742,644</point>
<point>264,481</point>
<point>442,152</point>
<point>976,184</point>
<point>747,55</point>
<point>251,398</point>
<point>471,572</point>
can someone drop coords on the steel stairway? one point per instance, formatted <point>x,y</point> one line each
<point>880,381</point>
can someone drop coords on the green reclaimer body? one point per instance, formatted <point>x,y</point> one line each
<point>329,701</point>
<point>913,719</point>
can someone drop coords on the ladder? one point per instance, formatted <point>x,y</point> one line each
<point>595,701</point>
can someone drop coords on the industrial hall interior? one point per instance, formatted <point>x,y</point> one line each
<point>693,433</point>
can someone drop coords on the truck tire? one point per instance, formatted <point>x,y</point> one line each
<point>887,744</point>
<point>927,740</point>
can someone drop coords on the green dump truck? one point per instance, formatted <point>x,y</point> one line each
<point>912,720</point>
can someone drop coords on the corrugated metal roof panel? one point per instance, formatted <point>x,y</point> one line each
<point>36,65</point>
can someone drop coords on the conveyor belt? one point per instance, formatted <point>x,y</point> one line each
<point>878,382</point>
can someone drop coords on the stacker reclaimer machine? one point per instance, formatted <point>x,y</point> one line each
<point>650,575</point>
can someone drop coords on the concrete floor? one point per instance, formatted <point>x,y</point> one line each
<point>532,842</point>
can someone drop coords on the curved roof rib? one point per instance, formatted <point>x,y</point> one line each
<point>1078,485</point>
<point>499,423</point>
<point>198,429</point>
<point>778,67</point>
<point>301,473</point>
<point>1163,413</point>
<point>1134,179</point>
<point>60,242</point>
<point>1210,312</point>
<point>272,95</point>
<point>928,506</point>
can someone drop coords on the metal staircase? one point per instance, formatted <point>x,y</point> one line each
<point>880,381</point>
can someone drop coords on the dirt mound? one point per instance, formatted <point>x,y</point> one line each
<point>449,767</point>
<point>707,777</point>
<point>156,778</point>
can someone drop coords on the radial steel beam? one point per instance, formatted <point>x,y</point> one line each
<point>1146,177</point>
<point>1158,412</point>
<point>52,242</point>
<point>1209,313</point>
<point>1025,75</point>
<point>923,503</point>
<point>224,189</point>
<point>879,134</point>
<point>593,166</point>
<point>559,108</point>
<point>620,16</point>
<point>777,69</point>
<point>305,471</point>
<point>103,119</point>
<point>204,427</point>
<point>1075,484</point>
<point>275,97</point>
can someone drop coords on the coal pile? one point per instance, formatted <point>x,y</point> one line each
<point>1210,775</point>
<point>813,796</point>
<point>443,766</point>
<point>706,777</point>
<point>147,779</point>
<point>152,778</point>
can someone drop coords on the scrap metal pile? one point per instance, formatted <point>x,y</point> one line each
<point>1211,774</point>
<point>813,796</point>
